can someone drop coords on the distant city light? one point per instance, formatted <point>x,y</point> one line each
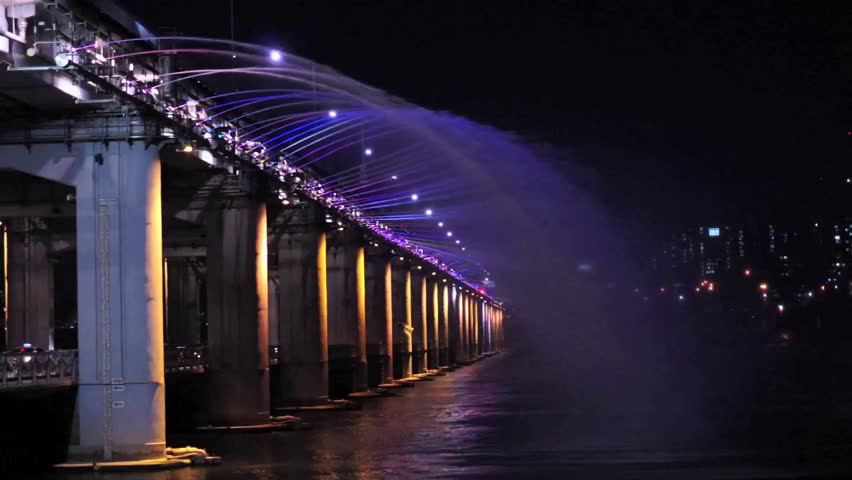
<point>747,272</point>
<point>780,308</point>
<point>332,113</point>
<point>713,232</point>
<point>764,286</point>
<point>187,148</point>
<point>440,224</point>
<point>449,234</point>
<point>464,248</point>
<point>368,152</point>
<point>429,211</point>
<point>414,197</point>
<point>681,297</point>
<point>275,56</point>
<point>394,177</point>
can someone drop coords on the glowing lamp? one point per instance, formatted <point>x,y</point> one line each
<point>187,148</point>
<point>747,272</point>
<point>275,56</point>
<point>414,197</point>
<point>449,234</point>
<point>764,287</point>
<point>440,224</point>
<point>368,152</point>
<point>429,211</point>
<point>332,113</point>
<point>458,242</point>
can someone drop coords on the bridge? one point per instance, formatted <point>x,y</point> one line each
<point>143,236</point>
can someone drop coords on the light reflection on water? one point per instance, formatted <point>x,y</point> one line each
<point>490,420</point>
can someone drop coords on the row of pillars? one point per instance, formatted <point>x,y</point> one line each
<point>338,295</point>
<point>340,300</point>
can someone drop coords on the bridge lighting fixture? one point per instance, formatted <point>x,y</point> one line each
<point>763,287</point>
<point>458,242</point>
<point>332,113</point>
<point>449,234</point>
<point>275,55</point>
<point>440,224</point>
<point>368,151</point>
<point>187,148</point>
<point>463,249</point>
<point>429,211</point>
<point>419,267</point>
<point>414,196</point>
<point>394,177</point>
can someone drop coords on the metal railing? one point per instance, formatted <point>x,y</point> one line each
<point>37,368</point>
<point>186,359</point>
<point>59,367</point>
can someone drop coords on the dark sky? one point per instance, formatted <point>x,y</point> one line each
<point>687,113</point>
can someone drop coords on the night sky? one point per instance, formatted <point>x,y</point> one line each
<point>668,113</point>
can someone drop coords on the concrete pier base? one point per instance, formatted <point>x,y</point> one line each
<point>346,315</point>
<point>303,309</point>
<point>237,299</point>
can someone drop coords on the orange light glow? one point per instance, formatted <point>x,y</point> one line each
<point>764,287</point>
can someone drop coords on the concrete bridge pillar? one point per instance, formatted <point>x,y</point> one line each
<point>403,339</point>
<point>419,321</point>
<point>120,396</point>
<point>472,339</point>
<point>477,327</point>
<point>464,347</point>
<point>183,309</point>
<point>433,320</point>
<point>347,329</point>
<point>444,325</point>
<point>454,327</point>
<point>303,309</point>
<point>237,321</point>
<point>29,298</point>
<point>491,310</point>
<point>379,312</point>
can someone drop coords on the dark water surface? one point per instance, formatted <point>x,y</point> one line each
<point>505,417</point>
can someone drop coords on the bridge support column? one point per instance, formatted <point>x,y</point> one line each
<point>454,327</point>
<point>303,309</point>
<point>419,321</point>
<point>477,327</point>
<point>29,298</point>
<point>444,326</point>
<point>433,319</point>
<point>471,326</point>
<point>402,328</point>
<point>120,395</point>
<point>347,329</point>
<point>237,321</point>
<point>379,311</point>
<point>183,312</point>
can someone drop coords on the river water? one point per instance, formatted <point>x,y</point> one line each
<point>510,416</point>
